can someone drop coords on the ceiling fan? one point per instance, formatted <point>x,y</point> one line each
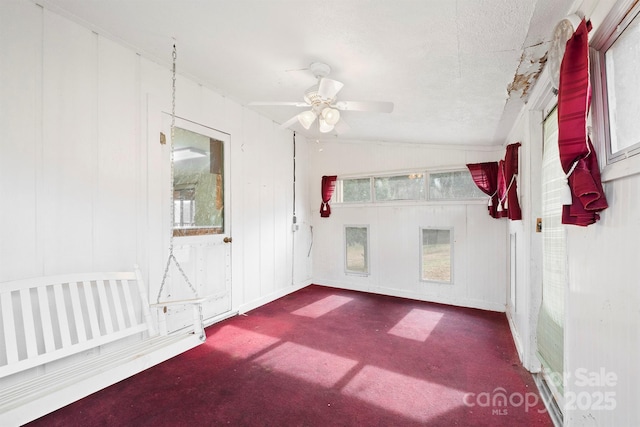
<point>321,104</point>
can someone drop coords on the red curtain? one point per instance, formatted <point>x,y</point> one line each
<point>485,175</point>
<point>509,197</point>
<point>498,181</point>
<point>328,185</point>
<point>577,156</point>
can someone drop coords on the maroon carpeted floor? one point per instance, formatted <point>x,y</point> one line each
<point>328,357</point>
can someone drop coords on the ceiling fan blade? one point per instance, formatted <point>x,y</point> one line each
<point>375,106</point>
<point>292,104</point>
<point>328,88</point>
<point>289,122</point>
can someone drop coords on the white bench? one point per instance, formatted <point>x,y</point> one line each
<point>47,319</point>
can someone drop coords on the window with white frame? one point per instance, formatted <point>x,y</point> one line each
<point>356,249</point>
<point>436,249</point>
<point>355,190</point>
<point>616,58</point>
<point>399,187</point>
<point>452,185</point>
<point>422,185</point>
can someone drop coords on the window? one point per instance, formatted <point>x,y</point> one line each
<point>616,58</point>
<point>356,249</point>
<point>410,186</point>
<point>198,184</point>
<point>399,187</point>
<point>356,190</point>
<point>435,254</point>
<point>453,185</point>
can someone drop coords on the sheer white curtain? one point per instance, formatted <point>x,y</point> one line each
<point>554,275</point>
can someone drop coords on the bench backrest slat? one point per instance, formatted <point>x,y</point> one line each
<point>113,285</point>
<point>77,312</point>
<point>45,319</point>
<point>91,308</point>
<point>126,290</point>
<point>31,340</point>
<point>9,327</point>
<point>104,307</point>
<point>61,311</point>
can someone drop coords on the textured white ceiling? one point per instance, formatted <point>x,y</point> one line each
<point>456,70</point>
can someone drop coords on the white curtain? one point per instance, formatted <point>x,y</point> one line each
<point>554,274</point>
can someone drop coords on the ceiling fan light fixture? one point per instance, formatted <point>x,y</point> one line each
<point>324,126</point>
<point>331,115</point>
<point>307,118</point>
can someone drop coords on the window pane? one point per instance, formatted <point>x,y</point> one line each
<point>436,255</point>
<point>453,185</point>
<point>356,190</point>
<point>623,88</point>
<point>401,187</point>
<point>198,182</point>
<point>356,249</point>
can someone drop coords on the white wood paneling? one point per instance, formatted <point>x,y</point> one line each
<point>20,145</point>
<point>92,176</point>
<point>70,164</point>
<point>116,199</point>
<point>479,258</point>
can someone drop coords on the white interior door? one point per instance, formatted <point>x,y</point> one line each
<point>201,220</point>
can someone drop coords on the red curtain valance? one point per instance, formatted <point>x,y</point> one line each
<point>577,155</point>
<point>498,181</point>
<point>485,175</point>
<point>328,185</point>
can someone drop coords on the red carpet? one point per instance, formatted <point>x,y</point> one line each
<point>328,357</point>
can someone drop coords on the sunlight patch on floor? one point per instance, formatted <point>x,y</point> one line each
<point>307,364</point>
<point>413,398</point>
<point>239,342</point>
<point>322,307</point>
<point>416,325</point>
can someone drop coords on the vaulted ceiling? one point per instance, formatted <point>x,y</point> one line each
<point>457,71</point>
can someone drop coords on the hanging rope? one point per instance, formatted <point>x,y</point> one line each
<point>171,201</point>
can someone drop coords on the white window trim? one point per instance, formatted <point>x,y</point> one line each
<point>367,251</point>
<point>426,200</point>
<point>627,162</point>
<point>451,258</point>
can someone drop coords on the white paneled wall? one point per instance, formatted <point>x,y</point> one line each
<point>84,180</point>
<point>602,298</point>
<point>480,242</point>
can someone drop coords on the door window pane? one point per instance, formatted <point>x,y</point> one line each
<point>198,184</point>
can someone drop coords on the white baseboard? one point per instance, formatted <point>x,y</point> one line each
<point>243,308</point>
<point>459,302</point>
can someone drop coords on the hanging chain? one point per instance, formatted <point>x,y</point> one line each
<point>172,208</point>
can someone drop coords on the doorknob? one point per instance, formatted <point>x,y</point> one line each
<point>227,240</point>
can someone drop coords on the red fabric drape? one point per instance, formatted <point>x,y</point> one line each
<point>509,197</point>
<point>502,190</point>
<point>485,175</point>
<point>577,156</point>
<point>328,185</point>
